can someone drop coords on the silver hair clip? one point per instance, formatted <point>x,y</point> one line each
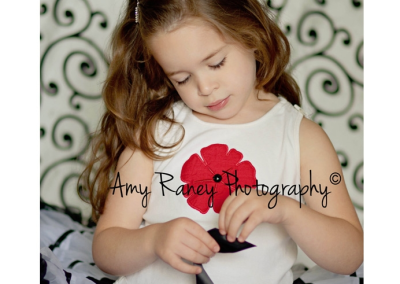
<point>137,12</point>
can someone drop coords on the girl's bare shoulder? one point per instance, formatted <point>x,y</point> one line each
<point>129,192</point>
<point>320,166</point>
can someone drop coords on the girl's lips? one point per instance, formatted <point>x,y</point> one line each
<point>218,104</point>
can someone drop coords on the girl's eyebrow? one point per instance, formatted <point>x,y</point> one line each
<point>213,53</point>
<point>205,59</point>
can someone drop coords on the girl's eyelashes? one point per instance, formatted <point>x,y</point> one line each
<point>184,81</point>
<point>219,65</point>
<point>214,67</point>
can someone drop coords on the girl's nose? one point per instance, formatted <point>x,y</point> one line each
<point>206,85</point>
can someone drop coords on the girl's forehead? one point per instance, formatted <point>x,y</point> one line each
<point>190,42</point>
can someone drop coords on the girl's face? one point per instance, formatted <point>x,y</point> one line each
<point>214,77</point>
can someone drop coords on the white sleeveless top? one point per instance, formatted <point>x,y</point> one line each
<point>218,158</point>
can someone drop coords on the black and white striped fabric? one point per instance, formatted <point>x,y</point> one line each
<point>66,250</point>
<point>318,275</point>
<point>66,254</point>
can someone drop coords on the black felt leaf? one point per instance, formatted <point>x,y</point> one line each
<point>225,245</point>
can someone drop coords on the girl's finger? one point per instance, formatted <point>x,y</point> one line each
<point>202,236</point>
<point>192,255</point>
<point>240,215</point>
<point>252,222</point>
<point>199,246</point>
<point>230,210</point>
<point>221,220</point>
<point>176,262</point>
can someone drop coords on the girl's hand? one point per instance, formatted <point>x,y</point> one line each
<point>252,210</point>
<point>184,238</point>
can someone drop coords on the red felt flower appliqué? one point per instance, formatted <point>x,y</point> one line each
<point>210,178</point>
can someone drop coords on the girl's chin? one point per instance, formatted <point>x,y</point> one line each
<point>223,117</point>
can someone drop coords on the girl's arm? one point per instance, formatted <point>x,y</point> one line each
<point>332,237</point>
<point>117,238</point>
<point>121,248</point>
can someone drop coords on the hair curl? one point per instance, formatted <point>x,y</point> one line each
<point>137,94</point>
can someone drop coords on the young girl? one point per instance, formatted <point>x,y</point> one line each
<point>201,131</point>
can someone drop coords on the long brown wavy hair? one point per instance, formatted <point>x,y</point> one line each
<point>137,94</point>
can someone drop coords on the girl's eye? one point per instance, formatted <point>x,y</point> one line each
<point>219,65</point>
<point>184,81</point>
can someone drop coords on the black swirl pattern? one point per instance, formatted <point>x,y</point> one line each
<point>72,68</point>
